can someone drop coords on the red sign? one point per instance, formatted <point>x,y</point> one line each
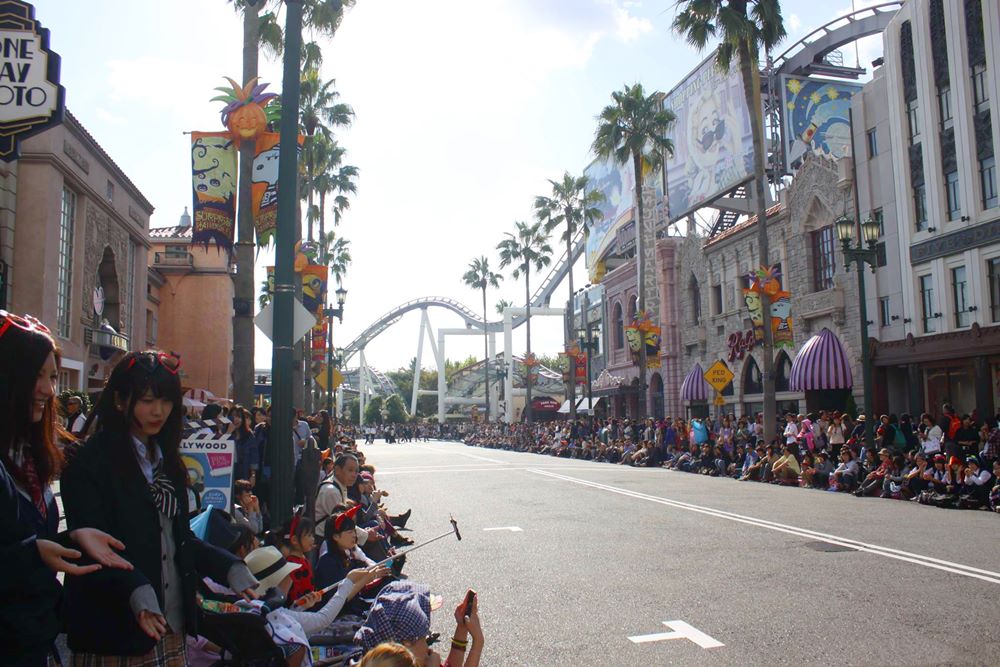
<point>740,343</point>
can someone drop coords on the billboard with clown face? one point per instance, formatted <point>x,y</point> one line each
<point>713,145</point>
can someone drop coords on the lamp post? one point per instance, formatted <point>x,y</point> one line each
<point>331,313</point>
<point>287,233</point>
<point>861,255</point>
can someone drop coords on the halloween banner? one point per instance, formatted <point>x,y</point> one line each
<point>318,345</point>
<point>314,280</point>
<point>573,351</point>
<point>768,280</point>
<point>214,171</point>
<point>265,186</point>
<point>209,462</point>
<point>641,332</point>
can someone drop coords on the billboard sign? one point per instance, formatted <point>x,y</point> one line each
<point>615,182</point>
<point>31,99</point>
<point>713,145</point>
<point>815,118</point>
<point>209,461</point>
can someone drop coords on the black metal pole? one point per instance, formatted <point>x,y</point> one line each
<point>282,462</point>
<point>329,363</point>
<point>589,352</point>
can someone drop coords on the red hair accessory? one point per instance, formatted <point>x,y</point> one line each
<point>293,525</point>
<point>338,523</point>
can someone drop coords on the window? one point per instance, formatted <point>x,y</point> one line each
<point>65,277</point>
<point>716,299</point>
<point>920,208</point>
<point>884,314</point>
<point>872,140</point>
<point>64,381</point>
<point>960,291</point>
<point>177,251</point>
<point>879,216</point>
<point>952,195</point>
<point>927,304</point>
<point>988,181</point>
<point>980,89</point>
<point>880,256</point>
<point>152,327</point>
<point>694,293</point>
<point>619,327</point>
<point>993,273</point>
<point>111,191</point>
<point>944,107</point>
<point>823,258</point>
<point>913,119</point>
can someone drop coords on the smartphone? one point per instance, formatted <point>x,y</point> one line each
<point>469,597</point>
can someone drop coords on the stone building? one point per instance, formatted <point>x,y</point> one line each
<point>73,245</point>
<point>929,169</point>
<point>194,309</point>
<point>714,321</point>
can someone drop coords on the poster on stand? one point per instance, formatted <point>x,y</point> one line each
<point>209,461</point>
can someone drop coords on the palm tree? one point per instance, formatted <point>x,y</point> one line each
<point>319,112</point>
<point>635,127</point>
<point>502,305</point>
<point>479,276</point>
<point>528,248</point>
<point>745,28</point>
<point>572,205</point>
<point>264,296</point>
<point>335,253</point>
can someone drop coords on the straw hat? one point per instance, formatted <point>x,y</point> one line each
<point>269,567</point>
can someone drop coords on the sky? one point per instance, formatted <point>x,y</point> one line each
<point>463,111</point>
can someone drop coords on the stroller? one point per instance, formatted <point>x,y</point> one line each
<point>246,639</point>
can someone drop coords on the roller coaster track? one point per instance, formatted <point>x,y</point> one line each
<point>541,298</point>
<point>831,36</point>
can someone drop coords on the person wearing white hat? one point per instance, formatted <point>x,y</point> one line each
<point>292,628</point>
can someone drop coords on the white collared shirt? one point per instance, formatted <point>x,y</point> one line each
<point>142,453</point>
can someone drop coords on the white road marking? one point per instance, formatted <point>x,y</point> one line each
<point>887,552</point>
<point>513,529</point>
<point>477,468</point>
<point>471,456</point>
<point>681,630</point>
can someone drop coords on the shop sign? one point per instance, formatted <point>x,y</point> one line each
<point>31,99</point>
<point>740,343</point>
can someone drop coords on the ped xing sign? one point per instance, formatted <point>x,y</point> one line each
<point>718,375</point>
<point>31,99</point>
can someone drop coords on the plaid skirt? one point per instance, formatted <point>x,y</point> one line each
<point>168,652</point>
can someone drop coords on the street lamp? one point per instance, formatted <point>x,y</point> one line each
<point>330,313</point>
<point>862,255</point>
<point>589,346</point>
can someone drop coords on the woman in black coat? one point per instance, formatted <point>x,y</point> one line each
<point>129,480</point>
<point>30,550</point>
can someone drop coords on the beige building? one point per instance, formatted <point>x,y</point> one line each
<point>190,305</point>
<point>73,242</point>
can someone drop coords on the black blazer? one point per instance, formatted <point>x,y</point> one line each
<point>29,591</point>
<point>104,488</point>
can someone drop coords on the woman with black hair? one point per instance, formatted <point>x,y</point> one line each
<point>129,480</point>
<point>247,453</point>
<point>30,549</point>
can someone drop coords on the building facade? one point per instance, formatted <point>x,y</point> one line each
<point>73,242</point>
<point>932,173</point>
<point>194,306</point>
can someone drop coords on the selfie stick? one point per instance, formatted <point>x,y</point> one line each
<point>454,531</point>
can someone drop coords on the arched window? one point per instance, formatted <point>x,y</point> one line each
<point>619,327</point>
<point>633,304</point>
<point>753,380</point>
<point>694,295</point>
<point>782,369</point>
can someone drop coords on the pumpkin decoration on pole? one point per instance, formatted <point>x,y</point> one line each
<point>248,109</point>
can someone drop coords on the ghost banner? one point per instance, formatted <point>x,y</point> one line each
<point>213,168</point>
<point>265,186</point>
<point>767,279</point>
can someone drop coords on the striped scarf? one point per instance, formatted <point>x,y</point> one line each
<point>163,492</point>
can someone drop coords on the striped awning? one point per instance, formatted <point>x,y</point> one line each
<point>694,387</point>
<point>821,364</point>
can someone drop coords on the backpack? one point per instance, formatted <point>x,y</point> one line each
<point>953,425</point>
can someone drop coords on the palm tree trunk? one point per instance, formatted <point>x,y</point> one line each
<point>751,87</point>
<point>640,262</point>
<point>243,284</point>
<point>527,321</point>
<point>570,319</point>
<point>322,213</point>
<point>486,355</point>
<point>309,193</point>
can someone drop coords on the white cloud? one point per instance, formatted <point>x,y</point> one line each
<point>794,23</point>
<point>629,28</point>
<point>108,117</point>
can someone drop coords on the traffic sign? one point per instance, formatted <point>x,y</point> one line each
<point>303,321</point>
<point>320,378</point>
<point>718,375</point>
<point>719,400</point>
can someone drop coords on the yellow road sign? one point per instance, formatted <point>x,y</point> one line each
<point>320,378</point>
<point>718,375</point>
<point>719,400</point>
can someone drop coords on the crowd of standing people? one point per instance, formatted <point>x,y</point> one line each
<point>142,576</point>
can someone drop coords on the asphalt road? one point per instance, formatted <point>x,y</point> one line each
<point>777,576</point>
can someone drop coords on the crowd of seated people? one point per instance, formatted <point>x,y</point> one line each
<point>949,461</point>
